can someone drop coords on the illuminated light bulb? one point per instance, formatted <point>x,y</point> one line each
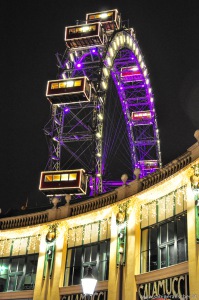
<point>79,65</point>
<point>127,39</point>
<point>100,116</point>
<point>76,54</point>
<point>151,99</point>
<point>98,175</point>
<point>150,90</point>
<point>84,29</point>
<point>109,62</point>
<point>69,83</point>
<point>131,42</point>
<point>104,85</point>
<point>142,64</point>
<point>147,81</point>
<point>136,51</point>
<point>105,71</point>
<point>111,51</point>
<point>55,138</point>
<point>66,110</point>
<point>145,72</point>
<point>98,135</point>
<point>104,16</point>
<point>63,75</point>
<point>71,57</point>
<point>121,39</point>
<point>98,154</point>
<point>117,41</point>
<point>114,45</point>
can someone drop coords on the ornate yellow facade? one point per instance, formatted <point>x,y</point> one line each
<point>145,250</point>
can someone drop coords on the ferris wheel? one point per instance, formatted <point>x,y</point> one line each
<point>102,63</point>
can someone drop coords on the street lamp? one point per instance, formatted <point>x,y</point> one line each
<point>88,283</point>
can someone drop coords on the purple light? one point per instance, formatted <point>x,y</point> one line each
<point>66,110</point>
<point>79,65</point>
<point>94,50</point>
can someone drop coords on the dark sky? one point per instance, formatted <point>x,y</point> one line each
<point>31,32</point>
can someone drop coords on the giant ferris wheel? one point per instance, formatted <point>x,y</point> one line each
<point>101,71</point>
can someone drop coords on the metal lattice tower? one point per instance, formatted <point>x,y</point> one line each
<point>75,131</point>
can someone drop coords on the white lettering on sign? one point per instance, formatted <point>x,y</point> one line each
<point>175,286</point>
<point>96,296</point>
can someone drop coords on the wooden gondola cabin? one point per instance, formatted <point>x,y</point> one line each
<point>109,19</point>
<point>84,35</point>
<point>63,182</point>
<point>71,90</point>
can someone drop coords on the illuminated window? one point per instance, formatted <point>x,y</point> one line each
<point>56,177</point>
<point>84,29</point>
<point>72,176</point>
<point>64,177</point>
<point>164,244</point>
<point>18,273</point>
<point>62,85</point>
<point>54,85</point>
<point>69,83</point>
<point>79,258</point>
<point>78,83</point>
<point>48,178</point>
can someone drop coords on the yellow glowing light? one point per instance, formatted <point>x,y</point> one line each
<point>109,62</point>
<point>104,16</point>
<point>71,57</point>
<point>100,116</point>
<point>121,39</point>
<point>86,28</point>
<point>114,45</point>
<point>127,39</point>
<point>105,71</point>
<point>111,51</point>
<point>104,85</point>
<point>70,83</point>
<point>145,72</point>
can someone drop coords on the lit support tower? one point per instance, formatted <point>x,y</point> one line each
<point>97,51</point>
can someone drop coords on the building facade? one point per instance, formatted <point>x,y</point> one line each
<point>141,241</point>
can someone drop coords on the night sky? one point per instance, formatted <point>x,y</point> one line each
<point>31,32</point>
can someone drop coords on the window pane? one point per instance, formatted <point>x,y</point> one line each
<point>14,264</point>
<point>163,233</point>
<point>163,257</point>
<point>11,285</point>
<point>19,282</point>
<point>4,266</point>
<point>153,237</point>
<point>180,228</point>
<point>94,253</point>
<point>21,263</point>
<point>153,259</point>
<point>87,254</point>
<point>78,257</point>
<point>170,231</point>
<point>171,255</point>
<point>103,271</point>
<point>77,275</point>
<point>181,254</point>
<point>31,264</point>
